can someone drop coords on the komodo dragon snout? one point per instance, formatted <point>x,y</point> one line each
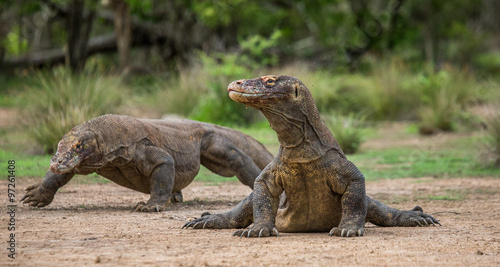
<point>264,90</point>
<point>74,148</point>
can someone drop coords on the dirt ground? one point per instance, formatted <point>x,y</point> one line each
<point>92,225</point>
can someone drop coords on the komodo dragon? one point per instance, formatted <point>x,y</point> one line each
<point>320,189</point>
<point>155,157</point>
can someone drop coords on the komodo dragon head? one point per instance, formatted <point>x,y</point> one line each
<point>290,109</point>
<point>268,91</point>
<point>76,146</point>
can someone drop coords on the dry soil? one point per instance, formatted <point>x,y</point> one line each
<point>93,225</point>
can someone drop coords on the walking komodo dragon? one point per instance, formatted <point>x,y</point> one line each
<point>320,189</point>
<point>156,157</point>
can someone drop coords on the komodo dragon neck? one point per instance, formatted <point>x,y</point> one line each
<point>302,138</point>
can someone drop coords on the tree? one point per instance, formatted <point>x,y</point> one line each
<point>78,28</point>
<point>123,30</point>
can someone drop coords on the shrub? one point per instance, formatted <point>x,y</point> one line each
<point>443,96</point>
<point>59,101</point>
<point>391,95</point>
<point>347,130</point>
<point>181,94</point>
<point>215,106</point>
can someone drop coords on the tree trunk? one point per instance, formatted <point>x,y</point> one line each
<point>123,31</point>
<point>78,33</point>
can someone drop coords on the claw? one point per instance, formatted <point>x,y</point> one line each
<point>331,232</point>
<point>342,234</point>
<point>194,226</point>
<point>275,230</point>
<point>157,209</point>
<point>348,232</point>
<point>237,233</point>
<point>359,232</point>
<point>205,224</point>
<point>260,232</point>
<point>242,234</point>
<point>249,233</point>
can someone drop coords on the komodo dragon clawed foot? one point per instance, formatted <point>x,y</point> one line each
<point>208,221</point>
<point>415,217</point>
<point>347,231</point>
<point>176,197</point>
<point>150,207</point>
<point>258,230</point>
<point>38,196</point>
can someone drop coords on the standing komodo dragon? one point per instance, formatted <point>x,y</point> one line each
<point>322,190</point>
<point>156,157</point>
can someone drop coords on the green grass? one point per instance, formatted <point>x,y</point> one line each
<point>453,195</point>
<point>26,165</point>
<point>458,158</point>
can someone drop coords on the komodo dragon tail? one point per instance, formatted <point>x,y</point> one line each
<point>253,148</point>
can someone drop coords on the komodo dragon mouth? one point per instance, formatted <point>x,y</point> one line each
<point>255,90</point>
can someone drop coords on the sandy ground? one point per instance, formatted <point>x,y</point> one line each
<point>92,225</point>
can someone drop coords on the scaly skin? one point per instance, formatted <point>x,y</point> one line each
<point>156,157</point>
<point>310,186</point>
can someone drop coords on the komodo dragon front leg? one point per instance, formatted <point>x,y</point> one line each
<point>266,199</point>
<point>41,194</point>
<point>161,179</point>
<point>350,183</point>
<point>260,207</point>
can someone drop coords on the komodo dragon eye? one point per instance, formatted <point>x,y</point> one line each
<point>270,82</point>
<point>78,146</point>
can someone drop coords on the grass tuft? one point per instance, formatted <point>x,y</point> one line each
<point>347,130</point>
<point>60,100</point>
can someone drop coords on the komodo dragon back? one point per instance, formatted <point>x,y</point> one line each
<point>116,131</point>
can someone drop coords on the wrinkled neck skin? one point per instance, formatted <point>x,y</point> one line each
<point>95,160</point>
<point>299,139</point>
